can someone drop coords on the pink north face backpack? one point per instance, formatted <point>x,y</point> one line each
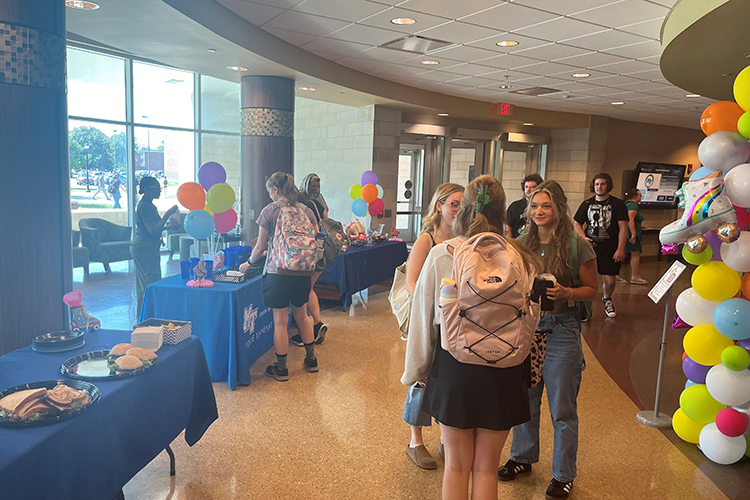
<point>293,246</point>
<point>492,320</point>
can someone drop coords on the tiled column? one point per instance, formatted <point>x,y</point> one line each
<point>267,142</point>
<point>35,242</point>
<point>385,149</point>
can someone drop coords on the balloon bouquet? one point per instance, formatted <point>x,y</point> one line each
<point>368,200</point>
<point>210,203</point>
<point>715,403</point>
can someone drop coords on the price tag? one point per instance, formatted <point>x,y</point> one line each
<point>667,280</point>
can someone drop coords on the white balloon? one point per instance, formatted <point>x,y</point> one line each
<point>737,254</point>
<point>737,183</point>
<point>719,448</point>
<point>694,309</point>
<point>728,387</point>
<point>723,150</point>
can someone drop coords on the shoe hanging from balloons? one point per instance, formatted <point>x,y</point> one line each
<point>715,405</point>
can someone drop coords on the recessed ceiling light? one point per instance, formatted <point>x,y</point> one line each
<point>443,114</point>
<point>212,50</point>
<point>403,21</point>
<point>507,43</point>
<point>617,103</point>
<point>237,68</point>
<point>506,86</point>
<point>581,75</point>
<point>430,63</point>
<point>341,93</point>
<point>77,4</point>
<point>692,96</point>
<point>529,124</point>
<point>310,89</point>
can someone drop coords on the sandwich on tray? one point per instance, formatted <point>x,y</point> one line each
<point>119,350</point>
<point>34,404</point>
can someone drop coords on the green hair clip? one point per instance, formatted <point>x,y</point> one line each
<point>483,199</point>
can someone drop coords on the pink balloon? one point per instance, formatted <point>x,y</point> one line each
<point>376,207</point>
<point>225,221</point>
<point>742,216</point>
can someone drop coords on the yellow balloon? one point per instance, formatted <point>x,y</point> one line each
<point>698,404</point>
<point>742,89</point>
<point>716,281</point>
<point>355,191</point>
<point>688,430</point>
<point>220,197</point>
<point>208,209</point>
<point>704,344</point>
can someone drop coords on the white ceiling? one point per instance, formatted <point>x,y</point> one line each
<point>617,42</point>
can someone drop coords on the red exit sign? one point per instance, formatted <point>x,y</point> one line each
<point>504,109</point>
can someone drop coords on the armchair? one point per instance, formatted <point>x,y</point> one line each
<point>107,242</point>
<point>80,254</point>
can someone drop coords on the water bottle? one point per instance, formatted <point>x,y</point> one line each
<point>320,239</point>
<point>448,292</point>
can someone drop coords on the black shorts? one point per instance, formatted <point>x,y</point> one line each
<point>605,261</point>
<point>280,290</point>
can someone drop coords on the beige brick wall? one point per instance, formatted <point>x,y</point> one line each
<point>514,170</point>
<point>461,160</point>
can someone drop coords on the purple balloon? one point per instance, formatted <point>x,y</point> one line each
<point>694,371</point>
<point>211,173</point>
<point>368,177</point>
<point>715,244</point>
<point>745,344</point>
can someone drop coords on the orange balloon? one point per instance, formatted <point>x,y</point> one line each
<point>191,195</point>
<point>722,115</point>
<point>745,286</point>
<point>369,193</point>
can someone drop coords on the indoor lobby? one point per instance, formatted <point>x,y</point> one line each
<point>98,95</point>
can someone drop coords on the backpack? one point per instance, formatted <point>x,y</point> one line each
<point>112,188</point>
<point>335,236</point>
<point>492,320</point>
<point>293,246</point>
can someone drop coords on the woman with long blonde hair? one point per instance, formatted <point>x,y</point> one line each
<point>476,405</point>
<point>436,228</point>
<point>571,262</point>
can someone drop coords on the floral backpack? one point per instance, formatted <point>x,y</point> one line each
<point>293,246</point>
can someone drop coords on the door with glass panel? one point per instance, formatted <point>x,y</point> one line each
<point>467,160</point>
<point>409,196</point>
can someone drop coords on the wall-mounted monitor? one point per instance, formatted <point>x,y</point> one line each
<point>658,183</point>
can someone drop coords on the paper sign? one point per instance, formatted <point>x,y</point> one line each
<point>667,280</point>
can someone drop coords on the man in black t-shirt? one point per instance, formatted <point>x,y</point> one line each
<point>517,209</point>
<point>606,221</point>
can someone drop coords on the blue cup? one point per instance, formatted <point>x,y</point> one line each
<point>185,269</point>
<point>209,269</point>
<point>230,256</point>
<point>193,262</point>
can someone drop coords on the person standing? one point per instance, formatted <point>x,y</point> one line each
<point>634,245</point>
<point>115,189</point>
<point>144,248</point>
<point>571,260</point>
<point>100,187</point>
<point>517,209</point>
<point>282,287</point>
<point>606,221</point>
<point>166,184</point>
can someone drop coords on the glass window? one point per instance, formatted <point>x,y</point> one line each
<point>162,96</point>
<point>96,85</point>
<point>167,155</point>
<point>220,105</point>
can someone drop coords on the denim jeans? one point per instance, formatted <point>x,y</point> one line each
<point>563,365</point>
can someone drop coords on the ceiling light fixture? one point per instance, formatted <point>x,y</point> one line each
<point>443,114</point>
<point>581,75</point>
<point>77,4</point>
<point>212,50</point>
<point>237,68</point>
<point>507,43</point>
<point>506,86</point>
<point>617,103</point>
<point>692,96</point>
<point>310,89</point>
<point>430,63</point>
<point>529,124</point>
<point>403,21</point>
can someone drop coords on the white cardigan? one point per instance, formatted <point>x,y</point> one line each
<point>425,315</point>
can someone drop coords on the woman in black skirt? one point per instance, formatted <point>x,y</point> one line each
<point>475,405</point>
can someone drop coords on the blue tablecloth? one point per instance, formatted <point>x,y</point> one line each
<point>360,268</point>
<point>232,321</point>
<point>93,455</point>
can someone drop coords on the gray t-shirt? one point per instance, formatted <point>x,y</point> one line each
<point>267,219</point>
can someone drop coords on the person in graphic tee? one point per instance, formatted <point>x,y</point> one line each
<point>603,221</point>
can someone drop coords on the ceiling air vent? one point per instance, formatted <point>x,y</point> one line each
<point>535,91</point>
<point>416,44</point>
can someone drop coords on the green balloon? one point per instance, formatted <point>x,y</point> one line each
<point>355,191</point>
<point>735,358</point>
<point>699,405</point>
<point>697,259</point>
<point>743,125</point>
<point>220,197</point>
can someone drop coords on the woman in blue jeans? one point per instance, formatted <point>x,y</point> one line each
<point>572,262</point>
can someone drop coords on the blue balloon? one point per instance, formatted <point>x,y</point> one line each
<point>359,207</point>
<point>700,173</point>
<point>199,224</point>
<point>689,383</point>
<point>732,318</point>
